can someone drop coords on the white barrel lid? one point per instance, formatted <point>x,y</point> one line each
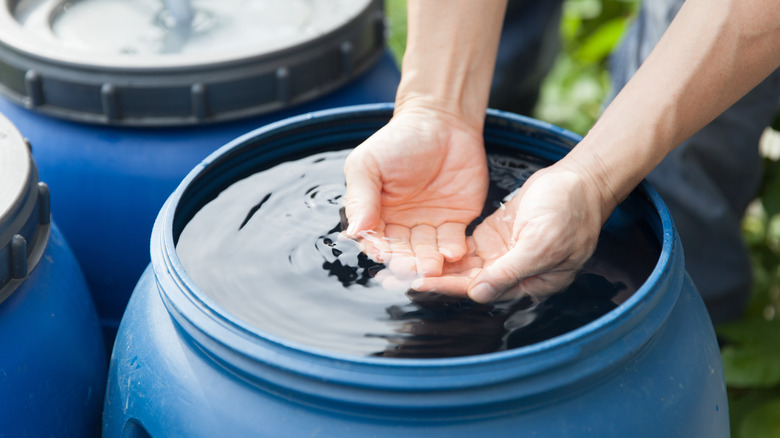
<point>130,63</point>
<point>24,210</point>
<point>15,168</point>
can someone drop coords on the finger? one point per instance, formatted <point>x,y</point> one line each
<point>465,269</point>
<point>451,237</point>
<point>468,263</point>
<point>400,258</point>
<point>492,242</point>
<point>521,272</point>
<point>362,200</point>
<point>369,242</point>
<point>513,293</point>
<point>392,283</point>
<point>375,245</point>
<point>448,285</point>
<point>428,259</point>
<point>503,274</point>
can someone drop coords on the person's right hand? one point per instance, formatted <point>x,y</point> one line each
<point>535,244</point>
<point>413,187</point>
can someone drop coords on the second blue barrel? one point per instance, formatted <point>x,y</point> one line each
<point>119,102</point>
<point>52,360</point>
<point>188,364</point>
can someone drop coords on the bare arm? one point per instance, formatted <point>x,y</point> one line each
<point>420,180</point>
<point>450,56</point>
<point>713,53</point>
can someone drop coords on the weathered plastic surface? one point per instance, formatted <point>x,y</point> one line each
<point>182,366</point>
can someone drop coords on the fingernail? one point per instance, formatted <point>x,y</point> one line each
<point>483,293</point>
<point>417,284</point>
<point>446,253</point>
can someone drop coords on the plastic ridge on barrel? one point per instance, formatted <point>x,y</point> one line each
<point>380,27</point>
<point>200,103</point>
<point>44,204</point>
<point>109,100</point>
<point>283,85</point>
<point>346,58</point>
<point>18,257</point>
<point>34,91</point>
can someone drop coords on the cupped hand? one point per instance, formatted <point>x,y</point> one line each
<point>413,187</point>
<point>535,244</point>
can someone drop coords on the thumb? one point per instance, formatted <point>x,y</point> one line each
<point>502,275</point>
<point>519,273</point>
<point>362,201</point>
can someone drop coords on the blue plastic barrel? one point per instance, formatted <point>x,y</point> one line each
<point>183,366</point>
<point>52,360</point>
<point>113,136</point>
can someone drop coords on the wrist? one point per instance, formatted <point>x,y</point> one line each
<point>450,55</point>
<point>448,86</point>
<point>594,181</point>
<point>441,110</point>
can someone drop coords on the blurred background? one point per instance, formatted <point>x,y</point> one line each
<point>571,97</point>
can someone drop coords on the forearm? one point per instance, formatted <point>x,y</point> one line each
<point>713,53</point>
<point>450,56</point>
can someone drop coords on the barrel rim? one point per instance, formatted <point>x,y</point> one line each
<point>244,350</point>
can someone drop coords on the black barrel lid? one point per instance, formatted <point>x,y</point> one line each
<point>46,71</point>
<point>24,210</point>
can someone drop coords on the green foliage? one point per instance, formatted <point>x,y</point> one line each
<point>573,93</point>
<point>771,188</point>
<point>751,359</point>
<point>395,11</point>
<point>572,97</point>
<point>763,421</point>
<point>757,411</point>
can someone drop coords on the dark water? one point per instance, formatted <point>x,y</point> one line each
<point>268,251</point>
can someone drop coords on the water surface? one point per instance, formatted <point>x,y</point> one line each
<point>267,250</point>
